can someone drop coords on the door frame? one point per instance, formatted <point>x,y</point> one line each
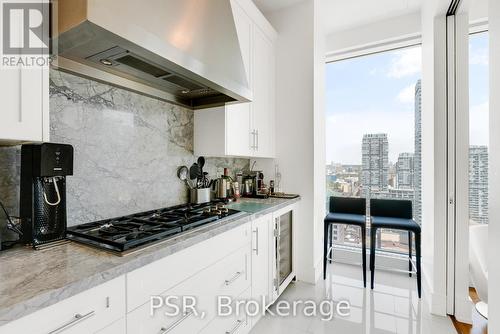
<point>457,159</point>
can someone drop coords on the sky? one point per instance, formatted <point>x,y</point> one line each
<point>376,93</point>
<point>478,89</point>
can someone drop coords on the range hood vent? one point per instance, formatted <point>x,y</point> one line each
<point>141,65</point>
<point>188,50</point>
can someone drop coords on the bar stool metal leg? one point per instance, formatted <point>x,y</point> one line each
<point>419,270</point>
<point>373,236</point>
<point>410,267</point>
<point>325,248</point>
<point>330,249</point>
<point>363,252</point>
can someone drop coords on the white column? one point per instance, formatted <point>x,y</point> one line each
<point>434,195</point>
<point>494,170</point>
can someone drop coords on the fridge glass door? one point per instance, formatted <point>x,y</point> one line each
<point>284,265</point>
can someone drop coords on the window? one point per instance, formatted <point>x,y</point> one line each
<point>478,128</point>
<point>373,133</point>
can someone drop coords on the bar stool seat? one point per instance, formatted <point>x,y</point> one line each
<point>395,215</point>
<point>345,218</point>
<point>395,223</point>
<point>345,211</point>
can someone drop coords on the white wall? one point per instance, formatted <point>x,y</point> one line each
<point>319,133</point>
<point>434,199</point>
<point>300,128</point>
<point>295,121</point>
<point>386,31</point>
<point>494,177</point>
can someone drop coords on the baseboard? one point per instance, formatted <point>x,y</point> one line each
<point>318,270</point>
<point>435,301</point>
<point>308,276</point>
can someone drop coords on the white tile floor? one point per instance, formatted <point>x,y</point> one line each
<point>392,307</point>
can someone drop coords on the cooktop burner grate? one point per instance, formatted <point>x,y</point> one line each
<point>122,234</point>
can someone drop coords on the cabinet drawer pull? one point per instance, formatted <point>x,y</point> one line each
<point>234,278</point>
<point>236,327</point>
<point>76,319</point>
<point>256,249</point>
<point>164,330</point>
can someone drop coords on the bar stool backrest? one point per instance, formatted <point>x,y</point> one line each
<point>348,205</point>
<point>391,208</point>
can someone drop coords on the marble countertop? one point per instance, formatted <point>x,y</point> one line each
<point>32,280</point>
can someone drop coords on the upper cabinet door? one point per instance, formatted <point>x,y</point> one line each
<point>24,103</point>
<point>263,92</point>
<point>24,94</point>
<point>239,138</point>
<point>245,129</point>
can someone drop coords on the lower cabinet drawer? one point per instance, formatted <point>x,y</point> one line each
<point>227,277</point>
<point>162,275</point>
<point>118,327</point>
<point>232,324</point>
<point>85,313</point>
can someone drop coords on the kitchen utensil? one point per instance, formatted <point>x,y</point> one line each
<point>182,174</point>
<point>194,172</point>
<point>201,177</point>
<point>201,164</point>
<point>206,182</point>
<point>199,196</point>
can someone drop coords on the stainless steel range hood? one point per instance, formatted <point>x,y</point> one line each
<point>183,51</point>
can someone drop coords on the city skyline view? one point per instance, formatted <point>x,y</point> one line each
<point>368,95</point>
<point>374,134</point>
<point>376,94</point>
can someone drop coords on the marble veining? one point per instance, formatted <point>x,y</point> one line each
<point>31,280</point>
<point>127,150</point>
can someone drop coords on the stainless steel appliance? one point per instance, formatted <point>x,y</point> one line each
<point>44,168</point>
<point>254,185</point>
<point>283,246</point>
<point>124,235</point>
<point>186,52</point>
<point>199,196</point>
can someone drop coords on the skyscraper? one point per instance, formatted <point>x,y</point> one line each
<point>405,170</point>
<point>375,160</point>
<point>478,184</point>
<point>417,212</point>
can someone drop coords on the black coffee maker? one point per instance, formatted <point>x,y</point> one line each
<point>44,168</point>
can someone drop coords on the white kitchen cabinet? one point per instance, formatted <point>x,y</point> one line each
<point>24,113</point>
<point>118,327</point>
<point>236,323</point>
<point>154,279</point>
<point>230,276</point>
<point>261,261</point>
<point>88,312</point>
<point>263,105</point>
<point>244,129</point>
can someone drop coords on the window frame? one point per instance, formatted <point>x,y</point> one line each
<point>350,254</point>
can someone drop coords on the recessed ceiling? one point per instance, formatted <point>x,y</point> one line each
<point>346,14</point>
<point>267,6</point>
<point>342,14</point>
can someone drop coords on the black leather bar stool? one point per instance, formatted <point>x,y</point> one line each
<point>347,211</point>
<point>395,215</point>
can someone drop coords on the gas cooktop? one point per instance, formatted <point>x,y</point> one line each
<point>128,233</point>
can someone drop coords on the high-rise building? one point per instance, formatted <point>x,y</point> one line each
<point>405,171</point>
<point>375,160</point>
<point>417,160</point>
<point>478,184</point>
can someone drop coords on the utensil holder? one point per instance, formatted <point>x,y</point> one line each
<point>199,196</point>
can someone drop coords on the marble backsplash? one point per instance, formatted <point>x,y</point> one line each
<point>127,150</point>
